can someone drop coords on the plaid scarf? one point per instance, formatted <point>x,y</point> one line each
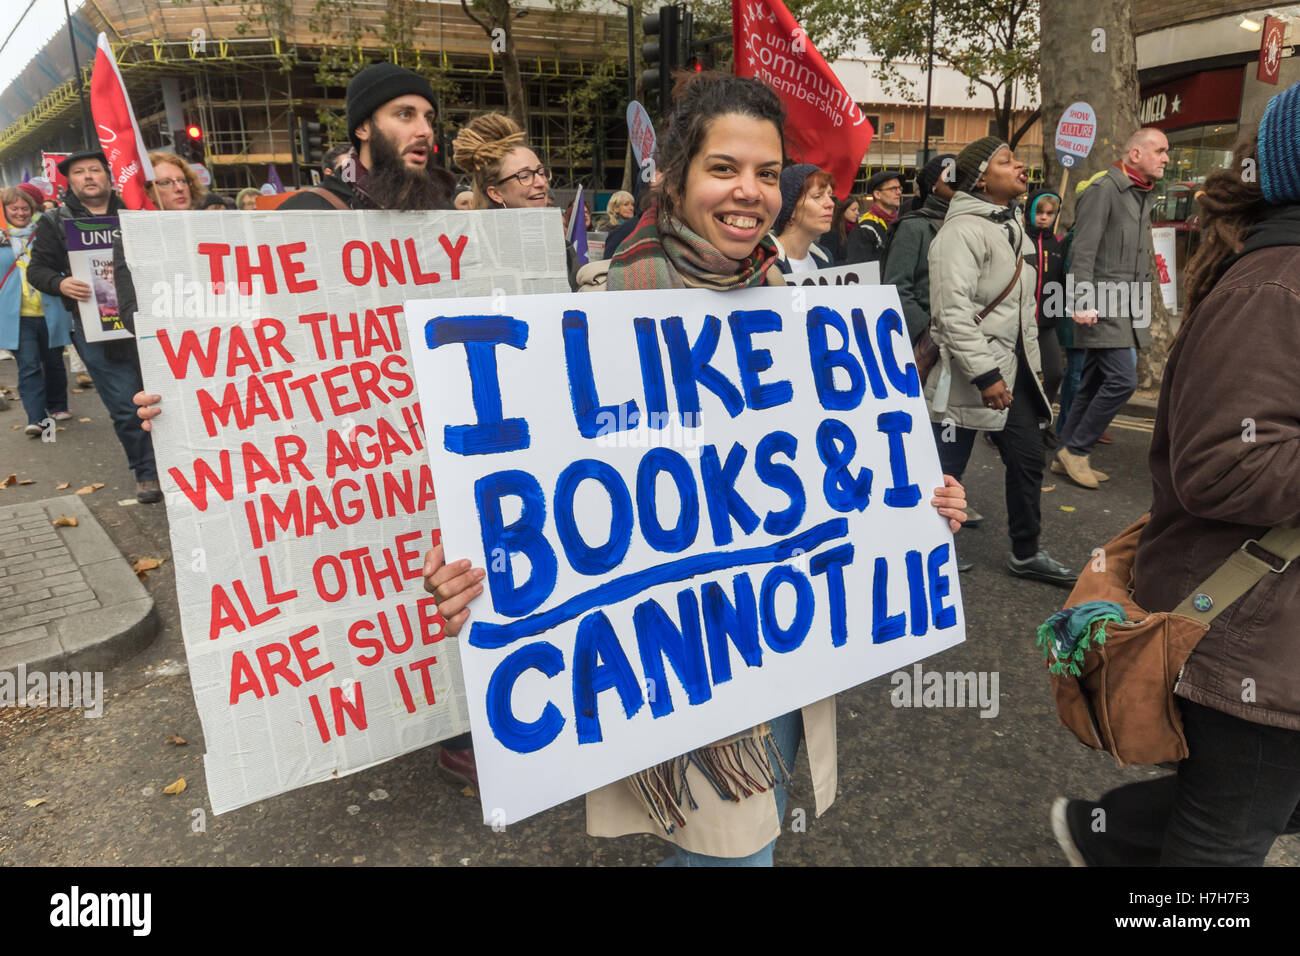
<point>668,255</point>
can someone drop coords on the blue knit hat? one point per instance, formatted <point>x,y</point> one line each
<point>1279,148</point>
<point>792,179</point>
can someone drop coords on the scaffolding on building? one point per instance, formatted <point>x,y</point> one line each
<point>248,70</point>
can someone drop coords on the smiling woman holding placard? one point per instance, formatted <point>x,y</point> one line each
<point>706,227</point>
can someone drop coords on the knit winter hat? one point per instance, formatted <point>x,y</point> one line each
<point>376,85</point>
<point>32,192</point>
<point>974,159</point>
<point>792,180</point>
<point>930,173</point>
<point>1279,148</point>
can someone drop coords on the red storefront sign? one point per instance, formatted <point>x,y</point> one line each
<point>1270,50</point>
<point>1199,100</point>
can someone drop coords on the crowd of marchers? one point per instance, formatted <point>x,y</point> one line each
<point>974,255</point>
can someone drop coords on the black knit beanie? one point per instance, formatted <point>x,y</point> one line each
<point>376,85</point>
<point>792,180</point>
<point>974,159</point>
<point>930,173</point>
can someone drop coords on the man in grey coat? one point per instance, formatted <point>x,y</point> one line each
<point>1110,273</point>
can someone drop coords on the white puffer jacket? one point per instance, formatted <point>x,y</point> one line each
<point>972,259</point>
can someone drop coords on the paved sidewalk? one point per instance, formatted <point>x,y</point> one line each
<point>68,599</point>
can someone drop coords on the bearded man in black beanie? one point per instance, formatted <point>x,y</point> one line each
<point>391,123</point>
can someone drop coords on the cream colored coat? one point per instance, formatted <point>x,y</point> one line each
<point>720,827</point>
<point>972,259</point>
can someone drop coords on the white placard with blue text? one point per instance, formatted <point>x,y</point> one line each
<point>697,511</point>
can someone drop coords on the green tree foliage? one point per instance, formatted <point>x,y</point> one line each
<point>353,46</point>
<point>993,43</point>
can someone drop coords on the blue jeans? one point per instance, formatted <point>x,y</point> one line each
<point>42,380</point>
<point>1070,383</point>
<point>117,382</point>
<point>787,730</point>
<point>1236,792</point>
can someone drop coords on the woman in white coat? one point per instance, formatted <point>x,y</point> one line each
<point>989,374</point>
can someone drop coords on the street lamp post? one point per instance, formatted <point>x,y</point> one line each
<point>929,83</point>
<point>81,86</point>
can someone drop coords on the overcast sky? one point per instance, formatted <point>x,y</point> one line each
<point>43,21</point>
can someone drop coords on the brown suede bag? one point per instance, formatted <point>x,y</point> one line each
<point>1123,701</point>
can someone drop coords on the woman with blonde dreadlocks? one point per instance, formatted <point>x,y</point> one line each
<point>504,172</point>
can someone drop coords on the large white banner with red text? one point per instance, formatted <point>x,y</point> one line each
<point>291,451</point>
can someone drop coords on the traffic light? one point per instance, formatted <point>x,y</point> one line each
<point>311,144</point>
<point>685,41</point>
<point>190,145</point>
<point>698,54</point>
<point>661,52</point>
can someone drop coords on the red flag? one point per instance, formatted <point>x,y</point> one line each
<point>823,124</point>
<point>128,160</point>
<point>56,180</point>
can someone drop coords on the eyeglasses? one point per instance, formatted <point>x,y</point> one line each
<point>525,177</point>
<point>169,183</point>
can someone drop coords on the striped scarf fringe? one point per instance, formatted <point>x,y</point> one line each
<point>738,767</point>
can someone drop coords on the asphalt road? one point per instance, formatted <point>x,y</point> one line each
<point>916,786</point>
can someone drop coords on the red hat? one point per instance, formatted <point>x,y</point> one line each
<point>33,193</point>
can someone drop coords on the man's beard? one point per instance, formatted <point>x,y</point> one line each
<point>391,184</point>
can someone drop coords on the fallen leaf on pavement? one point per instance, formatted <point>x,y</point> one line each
<point>90,489</point>
<point>146,564</point>
<point>1049,487</point>
<point>62,486</point>
<point>1067,507</point>
<point>34,803</point>
<point>175,739</point>
<point>467,791</point>
<point>16,427</point>
<point>27,481</point>
<point>12,479</point>
<point>63,521</point>
<point>174,788</point>
<point>83,419</point>
<point>76,391</point>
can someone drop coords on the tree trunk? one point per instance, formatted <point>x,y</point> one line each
<point>1099,68</point>
<point>516,101</point>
